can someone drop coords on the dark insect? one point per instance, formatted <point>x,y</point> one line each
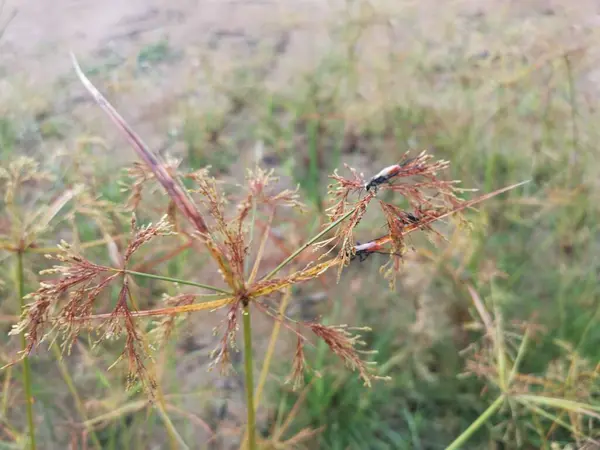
<point>383,176</point>
<point>386,174</point>
<point>363,251</point>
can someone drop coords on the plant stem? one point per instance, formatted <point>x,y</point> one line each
<point>173,280</point>
<point>307,244</point>
<point>518,359</point>
<point>262,379</point>
<point>175,438</point>
<point>249,374</point>
<point>26,366</point>
<point>483,418</point>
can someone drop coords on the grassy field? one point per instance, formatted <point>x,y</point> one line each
<point>489,337</point>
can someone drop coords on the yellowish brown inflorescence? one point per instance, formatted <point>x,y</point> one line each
<point>67,303</point>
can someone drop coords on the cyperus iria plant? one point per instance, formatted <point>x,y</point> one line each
<point>65,304</point>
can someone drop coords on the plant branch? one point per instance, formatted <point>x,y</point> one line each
<point>173,185</point>
<point>172,280</point>
<point>307,244</point>
<point>483,418</point>
<point>214,304</point>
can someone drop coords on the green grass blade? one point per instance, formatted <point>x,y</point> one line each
<point>519,357</point>
<point>553,418</point>
<point>483,418</point>
<point>561,403</point>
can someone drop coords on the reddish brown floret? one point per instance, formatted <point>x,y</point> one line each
<point>343,343</point>
<point>298,365</point>
<point>221,354</point>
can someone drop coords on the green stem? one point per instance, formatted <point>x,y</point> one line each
<point>62,367</point>
<point>483,418</point>
<point>249,374</point>
<point>174,437</point>
<point>519,358</point>
<point>173,280</point>
<point>26,366</point>
<point>306,245</point>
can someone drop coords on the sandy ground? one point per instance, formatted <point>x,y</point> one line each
<point>38,38</point>
<point>283,37</point>
<point>42,33</point>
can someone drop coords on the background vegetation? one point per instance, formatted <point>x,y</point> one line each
<point>505,93</point>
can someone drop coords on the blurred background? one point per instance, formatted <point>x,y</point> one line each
<point>505,90</point>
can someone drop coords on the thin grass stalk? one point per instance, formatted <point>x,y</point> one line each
<point>249,376</point>
<point>62,367</point>
<point>519,358</point>
<point>173,280</point>
<point>483,418</point>
<point>554,418</point>
<point>540,431</point>
<point>261,249</point>
<point>264,372</point>
<point>307,244</point>
<point>173,185</point>
<point>211,305</point>
<point>9,431</point>
<point>281,428</point>
<point>5,387</point>
<point>116,413</point>
<point>175,438</point>
<point>501,350</point>
<point>26,366</point>
<point>271,348</point>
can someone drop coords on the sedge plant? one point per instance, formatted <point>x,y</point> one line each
<point>31,215</point>
<point>67,302</point>
<point>528,403</point>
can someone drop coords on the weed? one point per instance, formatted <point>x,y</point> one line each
<point>503,102</point>
<point>82,281</point>
<point>155,53</point>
